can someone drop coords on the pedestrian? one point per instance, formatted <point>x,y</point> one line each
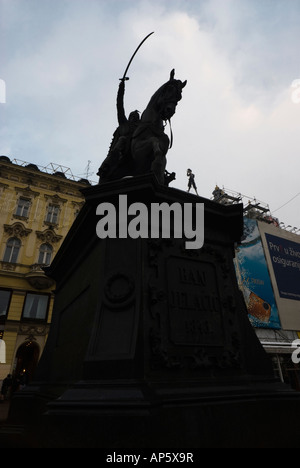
<point>22,380</point>
<point>6,387</point>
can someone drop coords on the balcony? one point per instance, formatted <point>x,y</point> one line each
<point>37,277</point>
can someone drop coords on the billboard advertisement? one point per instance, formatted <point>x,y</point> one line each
<point>254,279</point>
<point>282,251</point>
<point>285,258</point>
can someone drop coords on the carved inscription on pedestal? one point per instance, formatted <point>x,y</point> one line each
<point>195,317</point>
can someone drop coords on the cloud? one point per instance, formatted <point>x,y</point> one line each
<point>236,124</point>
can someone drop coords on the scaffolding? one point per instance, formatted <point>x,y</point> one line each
<point>51,168</point>
<point>253,208</point>
<point>229,197</point>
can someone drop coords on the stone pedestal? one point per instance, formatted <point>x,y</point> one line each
<point>150,343</point>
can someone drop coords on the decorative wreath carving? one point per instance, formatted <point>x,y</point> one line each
<point>119,289</point>
<point>48,236</point>
<point>17,230</point>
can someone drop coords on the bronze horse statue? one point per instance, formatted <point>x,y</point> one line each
<point>140,145</point>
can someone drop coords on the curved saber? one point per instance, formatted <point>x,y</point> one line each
<point>124,76</point>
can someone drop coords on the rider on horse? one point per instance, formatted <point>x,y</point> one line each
<point>119,150</point>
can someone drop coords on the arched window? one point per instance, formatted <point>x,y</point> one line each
<point>45,254</point>
<point>27,359</point>
<point>13,246</point>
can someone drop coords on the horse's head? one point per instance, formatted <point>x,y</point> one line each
<point>167,96</point>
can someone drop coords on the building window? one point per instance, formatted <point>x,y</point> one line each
<point>23,207</point>
<point>36,306</point>
<point>45,254</point>
<point>12,250</point>
<point>52,214</point>
<point>5,296</point>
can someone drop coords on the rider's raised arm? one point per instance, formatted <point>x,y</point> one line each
<point>120,103</point>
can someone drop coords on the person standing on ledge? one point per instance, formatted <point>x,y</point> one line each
<point>191,183</point>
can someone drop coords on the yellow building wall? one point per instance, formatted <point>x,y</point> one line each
<point>10,341</point>
<point>16,306</point>
<point>42,190</point>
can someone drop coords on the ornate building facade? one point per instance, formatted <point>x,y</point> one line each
<point>37,208</point>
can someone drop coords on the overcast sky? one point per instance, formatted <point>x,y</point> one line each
<point>237,124</point>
